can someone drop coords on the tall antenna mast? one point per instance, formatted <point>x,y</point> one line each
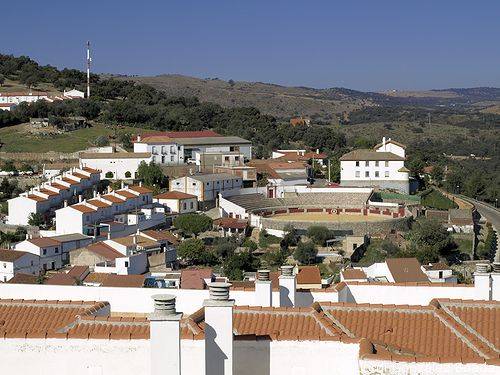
<point>89,60</point>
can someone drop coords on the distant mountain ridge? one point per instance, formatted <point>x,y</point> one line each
<point>320,104</point>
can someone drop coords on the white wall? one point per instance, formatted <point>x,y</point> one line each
<point>348,171</point>
<point>119,167</point>
<point>28,263</point>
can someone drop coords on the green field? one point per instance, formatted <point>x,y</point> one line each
<point>18,139</point>
<point>434,199</point>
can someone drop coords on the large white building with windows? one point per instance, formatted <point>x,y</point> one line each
<point>382,167</point>
<point>115,165</point>
<point>173,148</point>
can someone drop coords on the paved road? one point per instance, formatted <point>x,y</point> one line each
<point>491,214</point>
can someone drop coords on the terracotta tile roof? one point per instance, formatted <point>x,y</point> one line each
<point>294,156</point>
<point>309,275</point>
<point>231,223</point>
<point>439,266</point>
<point>79,175</point>
<point>141,241</point>
<point>48,192</point>
<point>98,203</point>
<point>156,138</point>
<point>95,278</point>
<point>23,278</point>
<point>140,189</point>
<point>124,281</point>
<point>387,142</point>
<point>406,270</point>
<point>353,273</point>
<point>44,241</point>
<point>83,208</point>
<point>59,186</point>
<point>70,181</point>
<point>61,278</point>
<point>91,170</point>
<point>175,195</point>
<point>161,235</point>
<point>114,155</point>
<point>112,198</point>
<point>78,271</point>
<point>38,319</point>
<point>11,255</point>
<point>104,250</point>
<point>36,198</point>
<point>194,278</point>
<point>126,193</point>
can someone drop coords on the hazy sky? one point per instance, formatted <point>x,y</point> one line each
<point>366,45</point>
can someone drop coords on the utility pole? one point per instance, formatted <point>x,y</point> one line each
<point>89,60</point>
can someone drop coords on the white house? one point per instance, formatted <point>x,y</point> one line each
<point>393,270</point>
<point>48,249</point>
<point>206,186</point>
<point>181,147</point>
<point>22,97</point>
<point>439,273</point>
<point>178,202</point>
<point>381,167</point>
<point>74,94</point>
<point>7,106</point>
<point>14,261</point>
<point>115,165</point>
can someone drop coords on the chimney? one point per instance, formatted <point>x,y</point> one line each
<point>94,193</point>
<point>109,189</point>
<point>482,282</point>
<point>79,198</point>
<point>218,330</point>
<point>495,282</point>
<point>109,234</point>
<point>288,286</point>
<point>140,183</point>
<point>383,143</point>
<point>122,184</point>
<point>138,137</point>
<point>164,336</point>
<point>65,203</point>
<point>263,289</point>
<point>135,239</point>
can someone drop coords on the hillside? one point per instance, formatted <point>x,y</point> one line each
<point>322,105</point>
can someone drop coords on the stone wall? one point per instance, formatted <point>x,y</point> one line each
<point>402,186</point>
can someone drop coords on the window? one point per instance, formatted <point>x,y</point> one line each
<point>367,174</point>
<point>192,205</point>
<point>377,174</point>
<point>32,263</point>
<point>236,158</point>
<point>5,265</point>
<point>53,265</point>
<point>386,163</point>
<point>56,250</point>
<point>128,174</point>
<point>357,164</point>
<point>171,157</point>
<point>358,175</point>
<point>440,274</point>
<point>376,163</point>
<point>44,251</point>
<point>226,158</point>
<point>367,163</point>
<point>126,264</point>
<point>184,206</point>
<point>386,173</point>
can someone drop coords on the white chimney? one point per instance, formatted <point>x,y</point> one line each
<point>109,234</point>
<point>122,185</point>
<point>288,286</point>
<point>138,137</point>
<point>65,203</point>
<point>482,282</point>
<point>495,282</point>
<point>79,198</point>
<point>140,183</point>
<point>94,193</point>
<point>218,330</point>
<point>109,189</point>
<point>263,289</point>
<point>164,336</point>
<point>383,143</point>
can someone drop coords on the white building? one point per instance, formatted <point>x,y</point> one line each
<point>74,94</point>
<point>181,147</point>
<point>7,106</point>
<point>22,97</point>
<point>178,202</point>
<point>381,167</point>
<point>13,262</point>
<point>393,270</point>
<point>206,186</point>
<point>49,250</point>
<point>47,197</point>
<point>439,273</point>
<point>115,165</point>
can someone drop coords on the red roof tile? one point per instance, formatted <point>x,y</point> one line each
<point>194,278</point>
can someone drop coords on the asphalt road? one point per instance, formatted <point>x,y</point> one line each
<point>491,214</point>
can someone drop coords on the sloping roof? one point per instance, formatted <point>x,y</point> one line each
<point>353,274</point>
<point>231,223</point>
<point>369,155</point>
<point>161,235</point>
<point>83,208</point>
<point>193,134</point>
<point>71,237</point>
<point>115,155</point>
<point>44,241</point>
<point>36,198</point>
<point>194,278</point>
<point>112,198</point>
<point>405,270</point>
<point>61,278</point>
<point>78,271</point>
<point>141,241</point>
<point>309,275</point>
<point>126,193</point>
<point>124,281</point>
<point>48,192</point>
<point>140,189</point>
<point>212,141</point>
<point>11,255</point>
<point>23,278</point>
<point>295,156</point>
<point>439,266</point>
<point>389,141</point>
<point>90,170</point>
<point>175,195</point>
<point>214,177</point>
<point>98,203</point>
<point>103,250</point>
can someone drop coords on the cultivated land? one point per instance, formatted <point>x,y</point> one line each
<point>326,217</point>
<point>18,139</point>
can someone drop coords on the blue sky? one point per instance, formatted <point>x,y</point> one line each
<point>365,45</point>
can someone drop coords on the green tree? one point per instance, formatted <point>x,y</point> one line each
<point>250,245</point>
<point>235,266</point>
<point>193,251</point>
<point>36,219</point>
<point>151,174</point>
<point>319,234</point>
<point>489,248</point>
<point>225,247</point>
<point>335,170</point>
<point>9,166</point>
<point>193,223</point>
<point>475,186</point>
<point>275,258</point>
<point>126,141</point>
<point>429,238</point>
<point>305,253</point>
<point>437,174</point>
